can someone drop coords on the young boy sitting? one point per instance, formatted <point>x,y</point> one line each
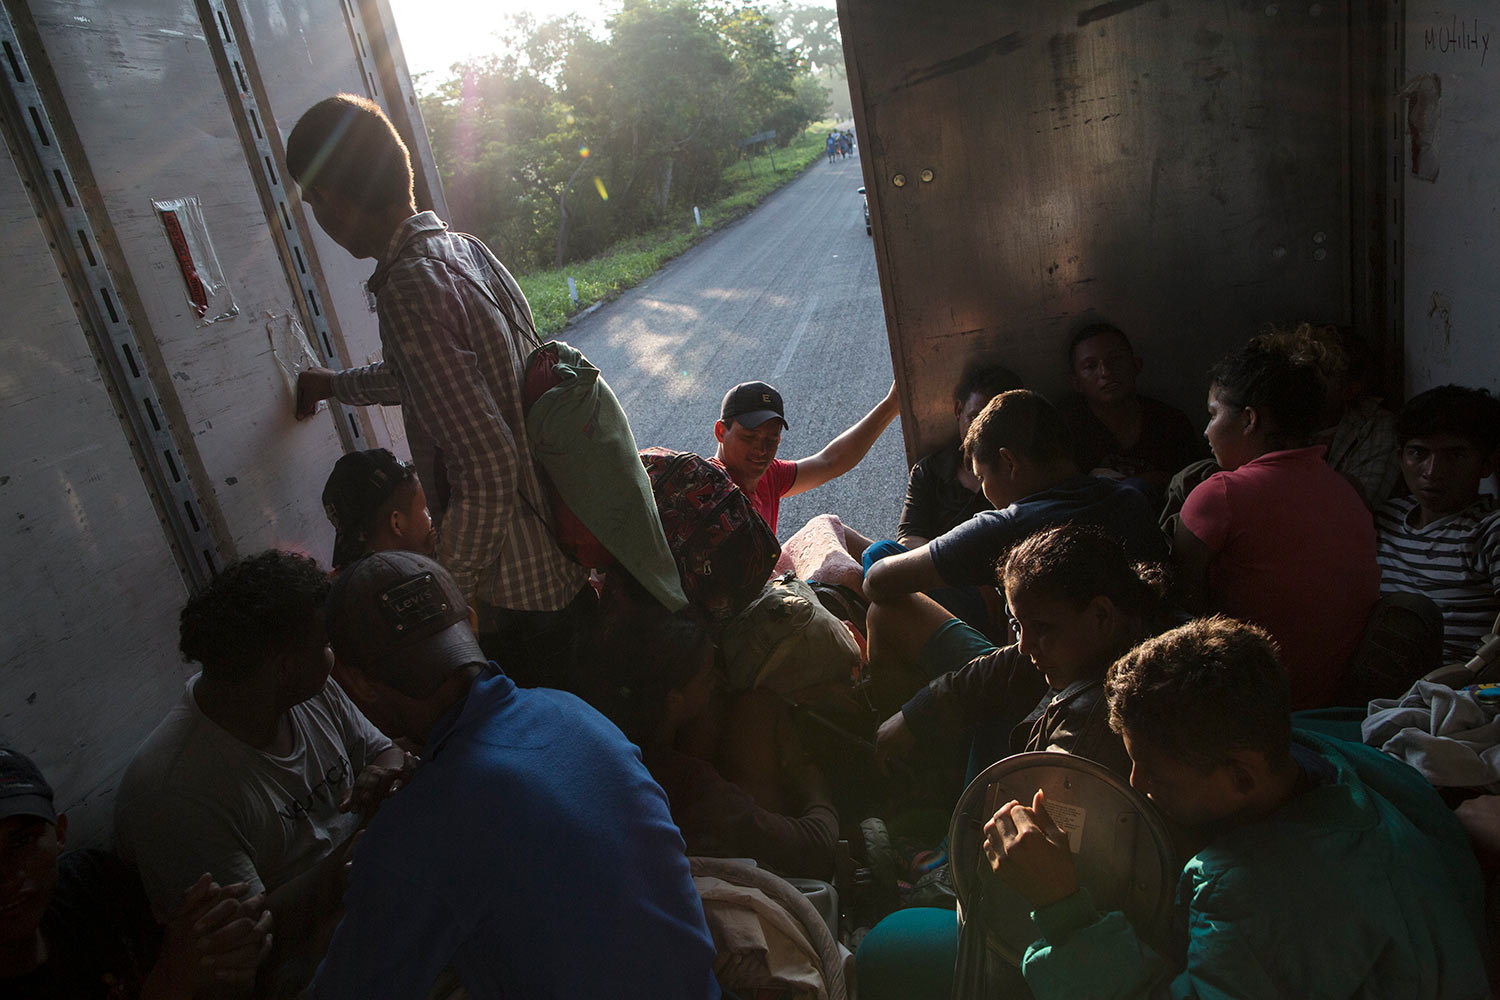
<point>752,793</point>
<point>376,503</point>
<point>1444,539</point>
<point>1330,869</point>
<point>1118,433</point>
<point>1019,450</point>
<point>941,490</point>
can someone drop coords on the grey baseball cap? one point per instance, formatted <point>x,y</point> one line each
<point>396,611</point>
<point>23,790</point>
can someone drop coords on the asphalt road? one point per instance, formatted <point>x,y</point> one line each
<point>789,295</point>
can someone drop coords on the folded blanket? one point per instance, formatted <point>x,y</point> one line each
<point>1447,735</point>
<point>766,934</point>
<point>817,552</point>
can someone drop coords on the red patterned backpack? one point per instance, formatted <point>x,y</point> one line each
<point>724,550</point>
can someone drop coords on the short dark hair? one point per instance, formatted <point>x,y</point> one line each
<point>1472,414</point>
<point>1022,421</point>
<point>1202,690</point>
<point>986,378</point>
<point>399,497</point>
<point>346,144</point>
<point>643,652</point>
<point>1096,330</point>
<point>255,609</point>
<point>1077,562</point>
<point>1285,391</point>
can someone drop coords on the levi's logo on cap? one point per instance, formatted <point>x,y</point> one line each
<point>413,602</point>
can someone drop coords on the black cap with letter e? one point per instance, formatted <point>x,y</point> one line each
<point>751,404</point>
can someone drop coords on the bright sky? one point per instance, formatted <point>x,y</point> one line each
<point>438,33</point>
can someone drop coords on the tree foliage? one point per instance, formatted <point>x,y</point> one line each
<point>567,141</point>
<point>813,31</point>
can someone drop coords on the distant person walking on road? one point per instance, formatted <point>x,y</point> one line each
<point>451,320</point>
<point>833,145</point>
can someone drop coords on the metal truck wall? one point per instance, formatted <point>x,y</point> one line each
<point>173,304</point>
<point>1179,169</point>
<point>1449,126</point>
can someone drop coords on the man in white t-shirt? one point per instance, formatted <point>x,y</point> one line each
<point>261,772</point>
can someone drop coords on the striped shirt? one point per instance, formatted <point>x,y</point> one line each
<point>1455,560</point>
<point>455,364</point>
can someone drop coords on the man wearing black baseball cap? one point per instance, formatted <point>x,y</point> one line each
<point>376,502</point>
<point>78,924</point>
<point>532,854</point>
<point>751,420</point>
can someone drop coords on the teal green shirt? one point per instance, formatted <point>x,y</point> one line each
<point>1365,886</point>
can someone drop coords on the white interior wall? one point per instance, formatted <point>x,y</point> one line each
<point>1452,249</point>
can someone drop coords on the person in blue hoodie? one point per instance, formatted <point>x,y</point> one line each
<point>531,854</point>
<point>1328,869</point>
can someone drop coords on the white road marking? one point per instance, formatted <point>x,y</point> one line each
<point>795,339</point>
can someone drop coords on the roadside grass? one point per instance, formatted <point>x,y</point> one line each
<point>628,263</point>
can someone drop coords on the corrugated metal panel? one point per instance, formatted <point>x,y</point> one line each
<point>88,628</point>
<point>148,109</point>
<point>259,461</point>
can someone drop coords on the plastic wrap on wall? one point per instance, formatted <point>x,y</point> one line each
<point>290,349</point>
<point>187,232</point>
<point>1423,96</point>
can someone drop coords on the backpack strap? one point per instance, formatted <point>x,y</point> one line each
<point>512,309</point>
<point>516,315</point>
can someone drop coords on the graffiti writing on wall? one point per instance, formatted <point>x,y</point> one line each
<point>1458,36</point>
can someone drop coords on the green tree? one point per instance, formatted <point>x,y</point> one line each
<point>565,141</point>
<point>772,90</point>
<point>813,32</point>
<point>505,144</point>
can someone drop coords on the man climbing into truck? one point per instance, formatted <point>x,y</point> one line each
<point>451,331</point>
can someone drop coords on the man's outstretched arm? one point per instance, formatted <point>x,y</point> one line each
<point>845,451</point>
<point>373,384</point>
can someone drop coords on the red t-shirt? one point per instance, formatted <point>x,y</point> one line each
<point>766,499</point>
<point>1295,554</point>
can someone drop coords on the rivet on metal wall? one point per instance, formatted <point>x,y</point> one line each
<point>899,180</point>
<point>1320,254</point>
<point>1272,10</point>
<point>1316,10</point>
<point>1278,253</point>
<point>1320,237</point>
<point>927,176</point>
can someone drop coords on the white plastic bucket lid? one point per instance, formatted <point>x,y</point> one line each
<point>1122,850</point>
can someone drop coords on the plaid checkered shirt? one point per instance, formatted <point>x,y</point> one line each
<point>455,363</point>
